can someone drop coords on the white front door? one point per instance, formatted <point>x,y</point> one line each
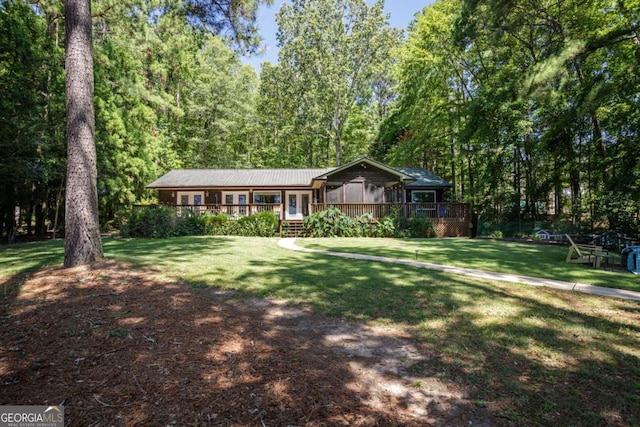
<point>297,204</point>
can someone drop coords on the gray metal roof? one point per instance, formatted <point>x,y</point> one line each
<point>179,178</point>
<point>424,178</point>
<point>248,178</point>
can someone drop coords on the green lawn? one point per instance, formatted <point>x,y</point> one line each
<point>527,259</point>
<point>531,355</point>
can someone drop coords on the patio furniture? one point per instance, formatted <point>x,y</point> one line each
<point>630,258</point>
<point>585,254</point>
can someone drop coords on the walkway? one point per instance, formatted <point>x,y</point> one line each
<point>290,243</point>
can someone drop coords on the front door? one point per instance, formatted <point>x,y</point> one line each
<point>297,205</point>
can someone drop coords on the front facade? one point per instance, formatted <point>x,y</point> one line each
<point>361,187</point>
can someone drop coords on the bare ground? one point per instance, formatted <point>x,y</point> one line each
<point>118,346</point>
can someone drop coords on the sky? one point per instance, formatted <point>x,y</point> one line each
<point>401,14</point>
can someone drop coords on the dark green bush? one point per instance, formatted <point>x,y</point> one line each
<point>331,222</point>
<point>262,224</point>
<point>215,224</point>
<point>334,223</point>
<point>421,227</point>
<point>154,222</point>
<point>161,222</point>
<point>386,227</point>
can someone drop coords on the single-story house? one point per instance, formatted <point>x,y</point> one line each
<point>362,186</point>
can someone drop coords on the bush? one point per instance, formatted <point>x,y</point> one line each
<point>421,227</point>
<point>331,222</point>
<point>497,234</point>
<point>386,227</point>
<point>161,222</point>
<point>334,223</point>
<point>262,224</point>
<point>215,224</point>
<point>154,222</point>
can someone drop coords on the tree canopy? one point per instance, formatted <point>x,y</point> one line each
<point>530,108</point>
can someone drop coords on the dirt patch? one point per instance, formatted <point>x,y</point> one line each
<point>117,346</point>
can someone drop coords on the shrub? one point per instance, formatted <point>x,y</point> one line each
<point>331,222</point>
<point>159,222</point>
<point>265,224</point>
<point>262,224</point>
<point>421,227</point>
<point>497,234</point>
<point>153,222</point>
<point>190,225</point>
<point>386,227</point>
<point>215,224</point>
<point>334,223</point>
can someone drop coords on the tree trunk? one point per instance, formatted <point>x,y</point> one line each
<point>82,238</point>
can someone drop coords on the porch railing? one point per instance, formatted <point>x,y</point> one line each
<point>457,211</point>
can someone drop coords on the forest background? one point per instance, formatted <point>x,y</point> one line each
<point>530,108</point>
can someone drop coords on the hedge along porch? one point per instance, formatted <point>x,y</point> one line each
<point>361,187</point>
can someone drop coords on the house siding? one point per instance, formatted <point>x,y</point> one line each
<point>361,183</point>
<point>166,197</point>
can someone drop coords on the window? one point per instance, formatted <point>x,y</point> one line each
<point>266,198</point>
<point>231,198</point>
<point>423,196</point>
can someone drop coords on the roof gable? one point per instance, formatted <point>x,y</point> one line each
<point>364,160</point>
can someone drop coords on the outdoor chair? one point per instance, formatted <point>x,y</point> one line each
<point>585,254</point>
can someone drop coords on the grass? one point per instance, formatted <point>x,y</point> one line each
<point>530,355</point>
<point>536,260</point>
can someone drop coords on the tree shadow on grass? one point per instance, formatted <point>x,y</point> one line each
<point>118,347</point>
<point>533,356</point>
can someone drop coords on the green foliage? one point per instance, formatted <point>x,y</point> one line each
<point>332,84</point>
<point>536,118</point>
<point>216,224</point>
<point>497,234</point>
<point>261,224</point>
<point>156,222</point>
<point>421,227</point>
<point>332,222</point>
<point>162,222</point>
<point>32,125</point>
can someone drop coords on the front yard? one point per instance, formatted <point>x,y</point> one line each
<point>483,352</point>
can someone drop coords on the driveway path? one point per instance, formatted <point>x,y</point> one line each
<point>290,243</point>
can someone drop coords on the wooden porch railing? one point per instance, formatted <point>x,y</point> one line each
<point>458,211</point>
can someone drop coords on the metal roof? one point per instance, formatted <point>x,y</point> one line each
<point>424,178</point>
<point>248,178</point>
<point>179,178</point>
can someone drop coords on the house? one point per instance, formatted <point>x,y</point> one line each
<point>362,186</point>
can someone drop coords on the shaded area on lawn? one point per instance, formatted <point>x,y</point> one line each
<point>118,347</point>
<point>529,355</point>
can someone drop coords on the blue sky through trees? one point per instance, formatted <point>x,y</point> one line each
<point>401,12</point>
